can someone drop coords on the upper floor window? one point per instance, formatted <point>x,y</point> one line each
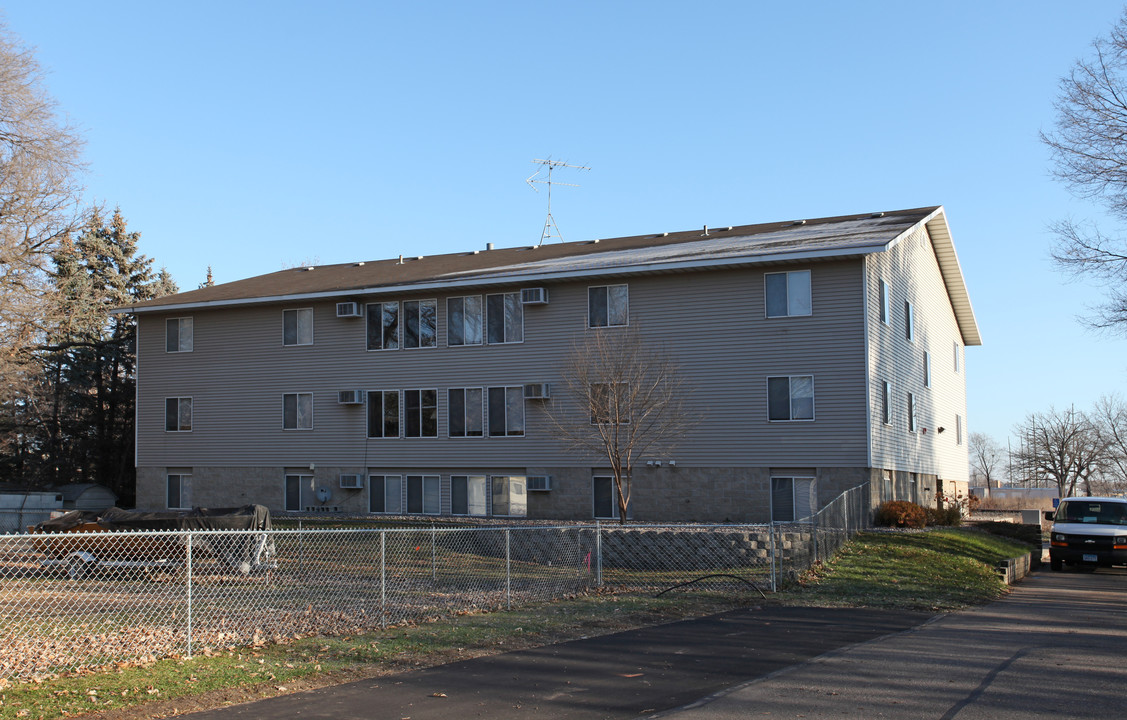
<point>608,306</point>
<point>958,429</point>
<point>911,412</point>
<point>420,413</point>
<point>383,414</point>
<point>788,293</point>
<point>886,402</point>
<point>909,321</point>
<point>297,411</point>
<point>178,335</point>
<point>790,397</point>
<point>297,327</point>
<point>506,411</point>
<point>927,369</point>
<point>383,326</point>
<point>420,323</point>
<point>958,356</point>
<point>504,318</point>
<point>178,414</point>
<point>884,301</point>
<point>463,320</point>
<point>464,412</point>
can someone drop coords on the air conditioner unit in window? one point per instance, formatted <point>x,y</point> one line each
<point>351,482</point>
<point>348,309</point>
<point>534,296</point>
<point>539,483</point>
<point>537,391</point>
<point>350,397</point>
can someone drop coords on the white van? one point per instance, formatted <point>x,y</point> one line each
<point>1088,531</point>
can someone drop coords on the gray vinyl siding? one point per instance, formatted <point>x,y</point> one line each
<point>712,323</point>
<point>912,272</point>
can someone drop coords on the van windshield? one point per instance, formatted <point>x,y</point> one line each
<point>1099,513</point>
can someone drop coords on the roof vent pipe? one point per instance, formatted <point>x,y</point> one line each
<point>705,233</point>
<point>488,246</point>
<point>400,259</point>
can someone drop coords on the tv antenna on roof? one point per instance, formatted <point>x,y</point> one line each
<point>550,222</point>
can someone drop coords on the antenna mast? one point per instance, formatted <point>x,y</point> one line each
<point>550,222</point>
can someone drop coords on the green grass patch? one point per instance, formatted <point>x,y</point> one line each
<point>936,570</point>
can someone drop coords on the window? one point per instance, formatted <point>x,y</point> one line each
<point>467,495</point>
<point>927,369</point>
<point>385,494</point>
<point>504,318</point>
<point>610,403</point>
<point>383,414</point>
<point>383,326</point>
<point>420,413</point>
<point>957,356</point>
<point>463,320</point>
<point>958,429</point>
<point>464,412</point>
<point>292,490</point>
<point>884,301</point>
<point>506,411</point>
<point>886,486</point>
<point>911,412</point>
<point>178,335</point>
<point>604,499</point>
<point>886,402</point>
<point>608,306</point>
<point>913,488</point>
<point>178,414</point>
<point>420,323</point>
<point>509,498</point>
<point>790,398</point>
<point>179,491</point>
<point>297,327</point>
<point>792,498</point>
<point>422,494</point>
<point>297,411</point>
<point>788,293</point>
<point>909,321</point>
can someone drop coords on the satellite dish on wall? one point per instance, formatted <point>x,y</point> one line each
<point>323,494</point>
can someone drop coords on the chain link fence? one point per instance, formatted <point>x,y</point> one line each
<point>80,600</point>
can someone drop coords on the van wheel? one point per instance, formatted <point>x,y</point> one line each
<point>1056,565</point>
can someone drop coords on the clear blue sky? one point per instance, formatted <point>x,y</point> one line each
<point>251,136</point>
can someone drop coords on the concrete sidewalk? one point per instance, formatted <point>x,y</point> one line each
<point>1056,647</point>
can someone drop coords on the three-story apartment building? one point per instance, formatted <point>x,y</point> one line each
<point>817,355</point>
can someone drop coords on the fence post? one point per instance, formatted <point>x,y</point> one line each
<point>508,572</point>
<point>771,544</point>
<point>598,554</point>
<point>188,557</point>
<point>814,536</point>
<point>433,553</point>
<point>383,578</point>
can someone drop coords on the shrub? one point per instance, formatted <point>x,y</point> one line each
<point>901,513</point>
<point>951,515</point>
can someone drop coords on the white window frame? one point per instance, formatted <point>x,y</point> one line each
<point>913,422</point>
<point>909,321</point>
<point>434,482</point>
<point>510,392</point>
<point>483,485</point>
<point>790,299</point>
<point>301,480</point>
<point>510,335</point>
<point>297,411</point>
<point>404,429</point>
<point>297,314</point>
<point>958,356</point>
<point>180,399</point>
<point>405,309</point>
<point>371,314</point>
<point>396,494</point>
<point>183,488</point>
<point>450,325</point>
<point>927,369</point>
<point>791,397</point>
<point>958,429</point>
<point>466,413</point>
<point>512,484</point>
<point>610,315</point>
<point>185,334</point>
<point>885,301</point>
<point>886,402</point>
<point>383,394</point>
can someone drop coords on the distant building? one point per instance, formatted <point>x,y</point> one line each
<point>821,354</point>
<point>86,496</point>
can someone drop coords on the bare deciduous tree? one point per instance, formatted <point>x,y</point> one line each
<point>39,196</point>
<point>986,457</point>
<point>627,402</point>
<point>1065,447</point>
<point>1110,413</point>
